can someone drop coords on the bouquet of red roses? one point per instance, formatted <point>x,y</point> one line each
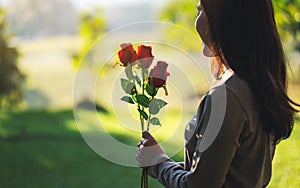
<point>140,85</point>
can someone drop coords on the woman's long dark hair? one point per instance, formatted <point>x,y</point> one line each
<point>246,39</point>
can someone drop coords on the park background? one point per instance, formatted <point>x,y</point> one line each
<point>40,142</point>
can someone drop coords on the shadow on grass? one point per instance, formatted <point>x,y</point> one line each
<point>41,148</point>
<point>39,124</point>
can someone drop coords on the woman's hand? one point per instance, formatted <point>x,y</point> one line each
<point>149,152</point>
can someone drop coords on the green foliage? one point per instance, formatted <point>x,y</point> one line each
<point>141,90</point>
<point>155,121</point>
<point>129,73</point>
<point>127,99</point>
<point>287,15</point>
<point>155,105</point>
<point>143,100</point>
<point>127,86</point>
<point>11,78</point>
<point>138,80</point>
<point>144,114</point>
<point>183,13</point>
<point>92,25</point>
<point>151,90</point>
<point>142,94</point>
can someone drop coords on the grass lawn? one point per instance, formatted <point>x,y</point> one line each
<point>43,148</point>
<point>286,166</point>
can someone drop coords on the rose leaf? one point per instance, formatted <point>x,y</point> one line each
<point>155,121</point>
<point>138,80</point>
<point>151,90</point>
<point>144,114</point>
<point>143,100</point>
<point>127,99</point>
<point>128,72</point>
<point>160,103</point>
<point>127,86</point>
<point>153,107</point>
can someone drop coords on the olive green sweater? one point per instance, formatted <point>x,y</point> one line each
<point>236,153</point>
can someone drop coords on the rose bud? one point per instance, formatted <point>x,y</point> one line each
<point>145,56</point>
<point>127,54</point>
<point>158,75</point>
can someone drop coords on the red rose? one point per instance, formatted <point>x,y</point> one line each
<point>127,54</point>
<point>145,56</point>
<point>158,75</point>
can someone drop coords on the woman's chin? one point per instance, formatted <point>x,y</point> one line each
<point>207,52</point>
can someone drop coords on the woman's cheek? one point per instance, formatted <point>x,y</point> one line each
<point>197,25</point>
<point>201,27</point>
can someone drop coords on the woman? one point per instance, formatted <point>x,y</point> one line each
<point>242,39</point>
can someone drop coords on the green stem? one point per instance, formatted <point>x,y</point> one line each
<point>152,97</point>
<point>148,124</point>
<point>141,119</point>
<point>143,83</point>
<point>143,92</point>
<point>139,107</point>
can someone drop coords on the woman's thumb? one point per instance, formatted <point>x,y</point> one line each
<point>150,140</point>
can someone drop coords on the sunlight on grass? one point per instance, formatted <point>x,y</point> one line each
<point>47,145</point>
<point>172,121</point>
<point>170,134</point>
<point>286,164</point>
<point>294,92</point>
<point>56,44</point>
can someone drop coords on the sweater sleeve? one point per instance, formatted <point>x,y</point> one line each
<point>210,170</point>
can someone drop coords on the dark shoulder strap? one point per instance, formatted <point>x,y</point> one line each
<point>202,123</point>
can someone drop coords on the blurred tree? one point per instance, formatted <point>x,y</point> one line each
<point>91,26</point>
<point>42,17</point>
<point>183,13</point>
<point>11,78</point>
<point>288,19</point>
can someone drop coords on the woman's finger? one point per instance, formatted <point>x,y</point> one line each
<point>140,143</point>
<point>137,157</point>
<point>147,135</point>
<point>145,141</point>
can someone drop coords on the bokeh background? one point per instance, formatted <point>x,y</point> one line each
<point>45,46</point>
